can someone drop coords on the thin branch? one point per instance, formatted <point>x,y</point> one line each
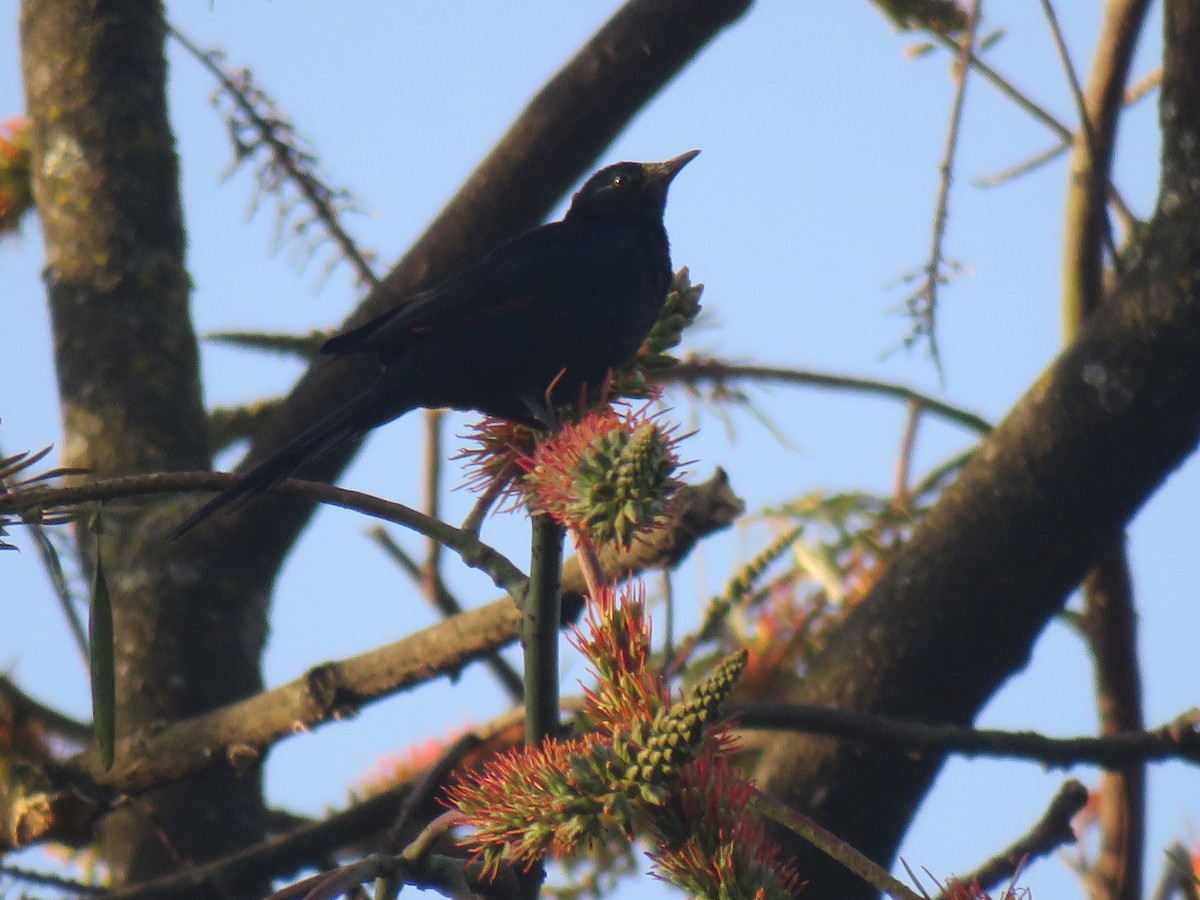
<point>18,707</point>
<point>832,846</point>
<point>696,368</point>
<point>1064,57</point>
<point>304,846</point>
<point>1179,877</point>
<point>11,468</point>
<point>1032,164</point>
<point>46,879</point>
<point>1177,740</point>
<point>908,441</point>
<point>425,790</point>
<point>237,734</point>
<point>297,166</point>
<point>923,304</point>
<point>1141,88</point>
<point>594,575</point>
<point>51,562</point>
<point>470,549</point>
<point>431,571</point>
<point>1110,624</point>
<point>1051,832</point>
<point>1067,139</point>
<point>1087,230</point>
<point>1008,89</point>
<point>448,605</point>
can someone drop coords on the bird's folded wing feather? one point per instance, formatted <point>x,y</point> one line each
<point>526,272</point>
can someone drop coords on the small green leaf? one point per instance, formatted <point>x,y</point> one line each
<point>100,640</point>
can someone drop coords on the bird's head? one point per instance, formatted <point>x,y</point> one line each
<point>628,191</point>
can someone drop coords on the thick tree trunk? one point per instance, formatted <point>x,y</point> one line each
<point>106,183</point>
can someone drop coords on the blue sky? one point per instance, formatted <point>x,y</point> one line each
<point>821,140</point>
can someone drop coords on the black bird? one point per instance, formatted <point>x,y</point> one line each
<point>541,318</point>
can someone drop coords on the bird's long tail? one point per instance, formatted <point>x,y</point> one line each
<point>343,424</point>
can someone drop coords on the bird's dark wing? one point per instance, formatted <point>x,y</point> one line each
<point>546,266</point>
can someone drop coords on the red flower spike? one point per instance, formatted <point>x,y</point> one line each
<point>715,845</point>
<point>607,476</point>
<point>494,464</point>
<point>16,177</point>
<point>615,638</point>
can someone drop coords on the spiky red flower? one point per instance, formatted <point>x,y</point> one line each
<point>537,800</point>
<point>651,767</point>
<point>16,178</point>
<point>606,477</point>
<point>615,638</point>
<point>715,845</point>
<point>494,464</point>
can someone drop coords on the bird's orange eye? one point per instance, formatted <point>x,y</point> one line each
<point>618,181</point>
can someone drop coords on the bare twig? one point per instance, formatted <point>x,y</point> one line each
<point>832,846</point>
<point>431,570</point>
<point>48,554</point>
<point>1032,164</point>
<point>304,846</point>
<point>1087,230</point>
<point>594,575</point>
<point>923,304</point>
<point>287,160</point>
<point>448,605</point>
<point>694,369</point>
<point>67,602</point>
<point>18,707</point>
<point>469,548</point>
<point>434,779</point>
<point>1008,89</point>
<point>1064,57</point>
<point>908,441</point>
<point>1178,877</point>
<point>1178,740</point>
<point>46,879</point>
<point>1051,832</point>
<point>1110,624</point>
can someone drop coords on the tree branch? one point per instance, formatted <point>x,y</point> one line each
<point>697,369</point>
<point>237,735</point>
<point>1176,740</point>
<point>1110,623</point>
<point>1051,832</point>
<point>1086,229</point>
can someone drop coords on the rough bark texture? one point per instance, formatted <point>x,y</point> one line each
<point>106,182</point>
<point>957,613</point>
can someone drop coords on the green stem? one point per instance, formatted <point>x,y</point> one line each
<point>540,614</point>
<point>831,845</point>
